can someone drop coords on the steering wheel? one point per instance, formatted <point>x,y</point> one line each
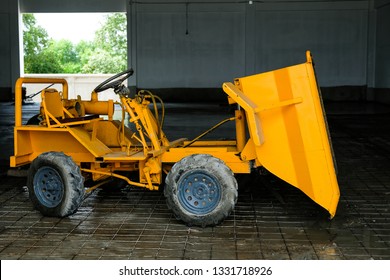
<point>114,81</point>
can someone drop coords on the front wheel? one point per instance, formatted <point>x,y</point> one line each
<point>55,184</point>
<point>201,190</point>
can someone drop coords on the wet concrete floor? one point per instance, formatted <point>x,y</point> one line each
<point>272,220</point>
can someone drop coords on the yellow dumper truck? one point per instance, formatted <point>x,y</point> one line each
<point>78,146</point>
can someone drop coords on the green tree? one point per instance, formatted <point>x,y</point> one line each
<point>37,59</point>
<point>112,36</point>
<point>107,53</point>
<point>102,62</point>
<point>67,55</point>
<point>84,50</point>
<point>46,61</point>
<point>45,55</point>
<point>109,50</point>
<point>35,38</point>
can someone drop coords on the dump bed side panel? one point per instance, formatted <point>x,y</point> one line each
<point>295,144</point>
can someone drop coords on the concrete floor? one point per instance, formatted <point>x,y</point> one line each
<point>271,220</point>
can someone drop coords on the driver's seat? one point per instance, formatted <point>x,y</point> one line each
<point>56,115</point>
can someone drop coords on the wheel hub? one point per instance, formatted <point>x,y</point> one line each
<point>48,186</point>
<point>199,192</point>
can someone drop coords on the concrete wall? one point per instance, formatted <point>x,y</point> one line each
<point>9,47</point>
<point>201,47</point>
<point>69,6</point>
<point>382,62</point>
<point>383,46</point>
<point>336,34</point>
<point>227,39</point>
<point>5,46</point>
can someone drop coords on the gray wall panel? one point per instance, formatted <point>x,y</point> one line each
<point>213,51</point>
<point>383,48</point>
<point>336,38</point>
<point>225,40</point>
<point>9,44</point>
<point>5,73</point>
<point>69,6</point>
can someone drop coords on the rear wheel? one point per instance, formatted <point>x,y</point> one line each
<point>55,184</point>
<point>34,120</point>
<point>201,190</point>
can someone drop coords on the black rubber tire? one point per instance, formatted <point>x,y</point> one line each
<point>184,197</point>
<point>34,120</point>
<point>55,184</point>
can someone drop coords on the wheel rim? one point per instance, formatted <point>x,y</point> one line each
<point>48,186</point>
<point>199,192</point>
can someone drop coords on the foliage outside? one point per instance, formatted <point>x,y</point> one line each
<point>106,54</point>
